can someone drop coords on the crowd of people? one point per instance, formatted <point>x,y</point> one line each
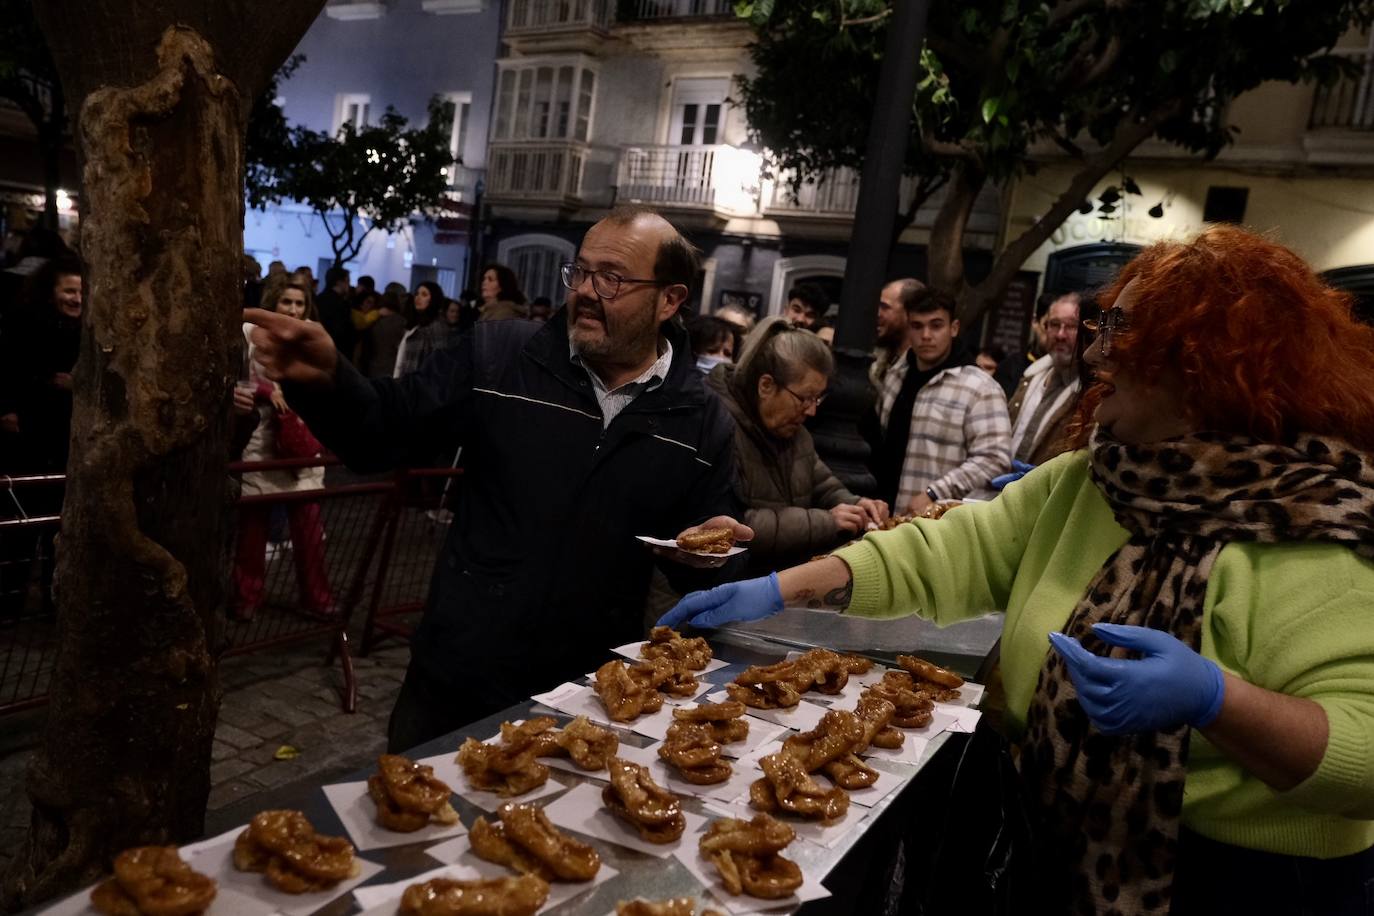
<point>1169,493</point>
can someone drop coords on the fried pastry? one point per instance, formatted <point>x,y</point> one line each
<point>525,841</point>
<point>153,881</point>
<point>588,744</point>
<point>876,715</point>
<point>522,896</point>
<point>693,653</point>
<point>940,684</point>
<point>488,841</point>
<point>678,906</point>
<point>509,767</point>
<point>408,796</point>
<point>651,809</point>
<point>708,540</point>
<point>746,854</point>
<point>938,510</point>
<point>295,858</point>
<point>694,752</point>
<point>838,733</point>
<point>725,720</point>
<point>849,772</point>
<point>912,709</point>
<point>625,698</point>
<point>786,786</point>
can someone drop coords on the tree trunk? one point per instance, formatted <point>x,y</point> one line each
<point>125,756</point>
<point>945,253</point>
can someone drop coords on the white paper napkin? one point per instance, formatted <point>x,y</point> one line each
<point>458,853</point>
<point>446,768</point>
<point>663,773</point>
<point>802,717</point>
<point>631,650</point>
<point>583,811</point>
<point>217,861</point>
<point>707,874</point>
<point>671,544</point>
<point>358,812</point>
<point>227,902</point>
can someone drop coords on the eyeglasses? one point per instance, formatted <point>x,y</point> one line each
<point>806,403</point>
<point>605,283</point>
<point>1113,320</point>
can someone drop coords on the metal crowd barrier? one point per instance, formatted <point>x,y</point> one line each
<point>381,538</point>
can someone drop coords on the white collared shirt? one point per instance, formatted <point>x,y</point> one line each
<point>613,401</point>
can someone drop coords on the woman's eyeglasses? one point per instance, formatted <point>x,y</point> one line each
<point>806,403</point>
<point>1113,320</point>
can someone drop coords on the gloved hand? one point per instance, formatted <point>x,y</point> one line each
<point>1169,685</point>
<point>752,599</point>
<point>1019,469</point>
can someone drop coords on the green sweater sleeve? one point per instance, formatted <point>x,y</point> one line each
<point>954,568</point>
<point>1297,620</point>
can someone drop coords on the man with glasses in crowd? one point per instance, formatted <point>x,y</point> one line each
<point>577,435</point>
<point>1045,400</point>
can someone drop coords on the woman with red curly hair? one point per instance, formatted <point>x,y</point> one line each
<point>1201,737</point>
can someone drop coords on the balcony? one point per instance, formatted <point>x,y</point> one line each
<point>558,26</point>
<point>724,179</point>
<point>837,194</point>
<point>1340,128</point>
<point>1347,104</point>
<point>536,173</point>
<point>651,10</point>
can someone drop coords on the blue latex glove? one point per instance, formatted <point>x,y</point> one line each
<point>752,599</point>
<point>1169,685</point>
<point>1019,469</point>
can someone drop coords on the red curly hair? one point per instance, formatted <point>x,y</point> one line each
<point>1265,348</point>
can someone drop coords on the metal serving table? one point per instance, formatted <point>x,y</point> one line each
<point>858,868</point>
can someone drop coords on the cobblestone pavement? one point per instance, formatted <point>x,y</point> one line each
<point>284,697</point>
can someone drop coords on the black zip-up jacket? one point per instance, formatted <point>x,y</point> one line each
<point>541,574</point>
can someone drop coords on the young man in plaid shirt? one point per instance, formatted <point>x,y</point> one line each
<point>960,436</point>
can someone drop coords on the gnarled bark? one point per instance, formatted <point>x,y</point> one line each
<point>141,561</point>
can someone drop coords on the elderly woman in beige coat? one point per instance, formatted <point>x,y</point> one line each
<point>796,506</point>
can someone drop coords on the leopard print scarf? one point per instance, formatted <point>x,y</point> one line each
<point>1109,806</point>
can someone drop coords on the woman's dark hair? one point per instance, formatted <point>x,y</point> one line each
<point>437,302</point>
<point>510,286</point>
<point>708,333</point>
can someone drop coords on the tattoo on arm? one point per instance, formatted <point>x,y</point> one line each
<point>836,599</point>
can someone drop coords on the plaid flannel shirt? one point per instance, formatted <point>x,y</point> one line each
<point>960,437</point>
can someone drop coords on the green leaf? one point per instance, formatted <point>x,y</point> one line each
<point>990,109</point>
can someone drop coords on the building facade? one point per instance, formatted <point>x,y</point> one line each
<point>361,57</point>
<point>1301,171</point>
<point>600,102</point>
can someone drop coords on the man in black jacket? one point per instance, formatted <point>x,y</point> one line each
<point>577,435</point>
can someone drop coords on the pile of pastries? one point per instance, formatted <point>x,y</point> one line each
<point>518,896</point>
<point>523,839</point>
<point>666,667</point>
<point>153,881</point>
<point>781,684</point>
<point>408,795</point>
<point>652,810</point>
<point>693,743</point>
<point>748,856</point>
<point>509,767</point>
<point>284,846</point>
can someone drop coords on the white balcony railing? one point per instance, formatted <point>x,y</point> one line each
<point>540,172</point>
<point>723,178</point>
<point>533,16</point>
<point>836,193</point>
<point>1348,103</point>
<point>638,10</point>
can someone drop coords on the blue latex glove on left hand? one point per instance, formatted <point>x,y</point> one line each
<point>1019,469</point>
<point>1169,685</point>
<point>752,599</point>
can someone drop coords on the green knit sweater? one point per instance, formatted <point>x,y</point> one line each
<point>1292,618</point>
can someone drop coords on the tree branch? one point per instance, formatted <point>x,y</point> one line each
<point>961,150</point>
<point>1129,134</point>
<point>1103,65</point>
<point>865,20</point>
<point>1067,145</point>
<point>1067,9</point>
